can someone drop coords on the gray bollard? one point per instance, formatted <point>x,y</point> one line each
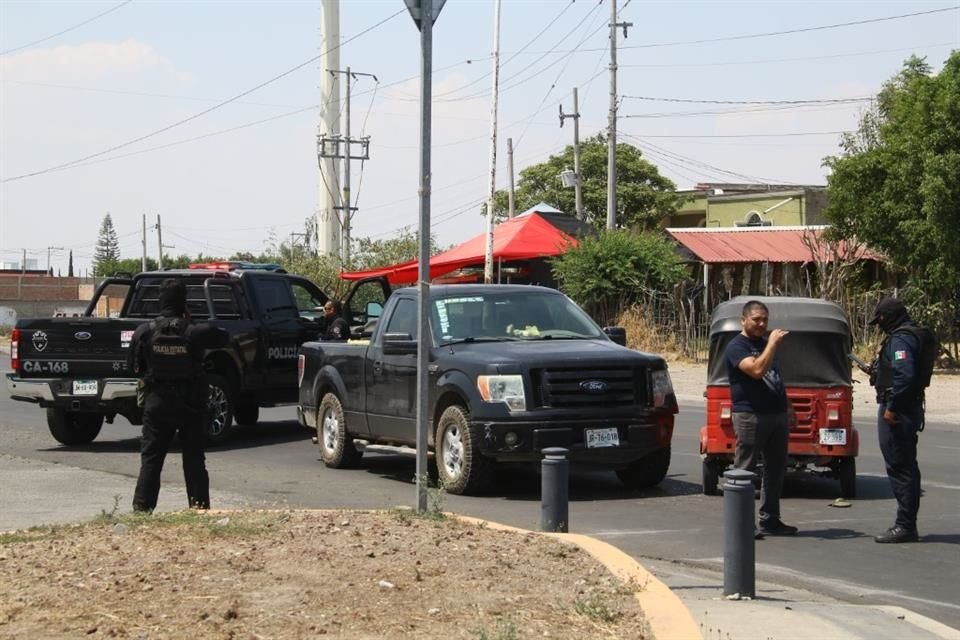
<point>739,554</point>
<point>554,498</point>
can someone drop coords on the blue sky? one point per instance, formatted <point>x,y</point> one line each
<point>149,64</point>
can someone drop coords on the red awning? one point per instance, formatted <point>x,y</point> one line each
<point>522,238</point>
<point>757,244</point>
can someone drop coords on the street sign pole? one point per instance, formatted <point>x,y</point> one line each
<point>424,14</point>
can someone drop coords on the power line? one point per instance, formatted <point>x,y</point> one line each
<point>753,102</point>
<point>205,111</point>
<point>721,112</point>
<point>68,29</point>
<point>185,141</point>
<point>728,63</point>
<point>748,135</point>
<point>769,34</point>
<point>141,94</point>
<point>515,54</point>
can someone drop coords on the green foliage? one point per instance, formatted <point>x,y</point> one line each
<point>609,272</point>
<point>896,185</point>
<point>368,253</point>
<point>644,197</point>
<point>107,251</point>
<point>70,265</point>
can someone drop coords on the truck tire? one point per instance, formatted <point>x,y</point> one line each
<point>72,427</point>
<point>219,409</point>
<point>847,472</point>
<point>711,478</point>
<point>461,468</point>
<point>337,450</point>
<point>646,472</point>
<point>246,412</point>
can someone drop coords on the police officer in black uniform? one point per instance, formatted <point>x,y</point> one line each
<point>336,327</point>
<point>899,414</point>
<point>167,354</point>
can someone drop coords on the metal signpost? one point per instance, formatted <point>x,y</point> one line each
<point>424,14</point>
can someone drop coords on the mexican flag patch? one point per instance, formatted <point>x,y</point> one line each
<point>899,355</point>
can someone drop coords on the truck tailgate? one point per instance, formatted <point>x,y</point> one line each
<point>75,347</point>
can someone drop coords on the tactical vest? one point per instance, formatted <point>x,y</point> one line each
<point>169,356</point>
<point>885,364</point>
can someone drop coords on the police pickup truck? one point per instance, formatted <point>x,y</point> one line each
<point>513,369</point>
<point>77,368</point>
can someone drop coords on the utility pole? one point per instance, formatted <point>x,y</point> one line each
<point>488,258</point>
<point>23,263</point>
<point>578,183</point>
<point>143,260</point>
<point>48,255</point>
<point>511,196</point>
<point>328,222</point>
<point>159,244</point>
<point>612,118</point>
<point>341,147</point>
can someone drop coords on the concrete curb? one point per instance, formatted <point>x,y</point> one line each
<point>668,617</point>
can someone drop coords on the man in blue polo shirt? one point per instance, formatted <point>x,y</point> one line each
<point>761,411</point>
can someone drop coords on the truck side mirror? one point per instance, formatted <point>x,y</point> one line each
<point>399,344</point>
<point>617,334</point>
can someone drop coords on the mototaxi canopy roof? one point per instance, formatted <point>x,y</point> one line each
<point>814,354</point>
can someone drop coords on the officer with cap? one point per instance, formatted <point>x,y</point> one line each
<point>899,414</point>
<point>167,354</point>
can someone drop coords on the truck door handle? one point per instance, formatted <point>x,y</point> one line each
<point>377,366</point>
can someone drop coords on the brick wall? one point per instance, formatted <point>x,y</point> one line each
<point>39,288</point>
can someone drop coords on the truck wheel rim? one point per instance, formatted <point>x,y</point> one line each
<point>330,427</point>
<point>218,409</point>
<point>452,452</point>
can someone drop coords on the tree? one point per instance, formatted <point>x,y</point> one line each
<point>368,253</point>
<point>644,197</point>
<point>896,183</point>
<point>70,265</point>
<point>107,252</point>
<point>607,273</point>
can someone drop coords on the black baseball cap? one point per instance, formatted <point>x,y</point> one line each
<point>887,307</point>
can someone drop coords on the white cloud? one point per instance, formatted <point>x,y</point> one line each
<point>89,60</point>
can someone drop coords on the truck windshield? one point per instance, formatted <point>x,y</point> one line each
<point>513,315</point>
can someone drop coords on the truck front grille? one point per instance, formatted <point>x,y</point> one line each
<point>575,387</point>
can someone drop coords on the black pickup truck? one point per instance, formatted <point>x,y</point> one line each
<point>513,369</point>
<point>77,369</point>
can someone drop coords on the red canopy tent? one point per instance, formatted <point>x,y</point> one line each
<point>521,238</point>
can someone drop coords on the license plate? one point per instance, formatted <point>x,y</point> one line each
<point>833,436</point>
<point>84,387</point>
<point>602,438</point>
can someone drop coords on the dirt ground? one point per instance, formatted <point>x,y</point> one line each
<point>304,574</point>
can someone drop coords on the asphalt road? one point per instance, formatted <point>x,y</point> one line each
<point>834,554</point>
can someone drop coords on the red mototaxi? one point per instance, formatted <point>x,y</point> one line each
<point>817,375</point>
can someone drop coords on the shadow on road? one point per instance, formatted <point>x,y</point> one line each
<point>522,482</point>
<point>247,437</point>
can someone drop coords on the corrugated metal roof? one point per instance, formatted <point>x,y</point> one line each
<point>755,244</point>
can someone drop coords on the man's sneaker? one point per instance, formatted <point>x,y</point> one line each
<point>897,534</point>
<point>776,528</point>
<point>757,534</point>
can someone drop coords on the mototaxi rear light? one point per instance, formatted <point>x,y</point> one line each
<point>726,415</point>
<point>833,415</point>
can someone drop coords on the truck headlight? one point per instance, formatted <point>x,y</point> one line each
<point>506,389</point>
